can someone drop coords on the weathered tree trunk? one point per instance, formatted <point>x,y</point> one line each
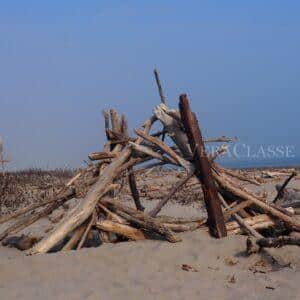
<point>85,207</point>
<point>203,170</point>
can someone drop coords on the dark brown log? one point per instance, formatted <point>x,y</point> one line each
<point>134,190</point>
<point>284,185</point>
<point>160,90</point>
<point>203,170</point>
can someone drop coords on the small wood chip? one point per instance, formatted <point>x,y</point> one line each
<point>230,261</point>
<point>188,268</point>
<point>232,279</point>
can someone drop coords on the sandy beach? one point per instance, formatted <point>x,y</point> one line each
<point>149,269</point>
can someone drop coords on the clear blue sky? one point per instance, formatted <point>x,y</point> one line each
<point>62,62</point>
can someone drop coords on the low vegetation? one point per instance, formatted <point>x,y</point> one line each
<point>18,189</point>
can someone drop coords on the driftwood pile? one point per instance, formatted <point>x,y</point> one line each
<point>231,209</point>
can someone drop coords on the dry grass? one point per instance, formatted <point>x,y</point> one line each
<point>18,189</point>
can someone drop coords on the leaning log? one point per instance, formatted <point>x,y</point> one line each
<point>203,169</point>
<point>174,189</point>
<point>134,190</point>
<point>85,208</point>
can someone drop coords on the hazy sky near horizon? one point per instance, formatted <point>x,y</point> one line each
<point>62,62</point>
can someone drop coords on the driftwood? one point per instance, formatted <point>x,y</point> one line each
<point>139,218</point>
<point>222,139</point>
<point>121,229</point>
<point>235,209</point>
<point>284,185</point>
<point>278,241</point>
<point>172,154</point>
<point>174,129</point>
<point>241,221</point>
<point>203,169</point>
<point>290,221</point>
<point>160,90</point>
<point>256,222</point>
<point>237,175</point>
<point>254,245</point>
<point>112,216</point>
<point>102,155</point>
<point>115,123</point>
<point>87,230</point>
<point>219,152</point>
<point>75,238</point>
<point>100,214</point>
<point>134,190</point>
<point>85,208</point>
<point>148,151</point>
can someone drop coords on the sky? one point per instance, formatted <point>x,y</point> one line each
<point>62,62</point>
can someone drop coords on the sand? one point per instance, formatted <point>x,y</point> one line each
<point>153,269</point>
<point>146,270</point>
